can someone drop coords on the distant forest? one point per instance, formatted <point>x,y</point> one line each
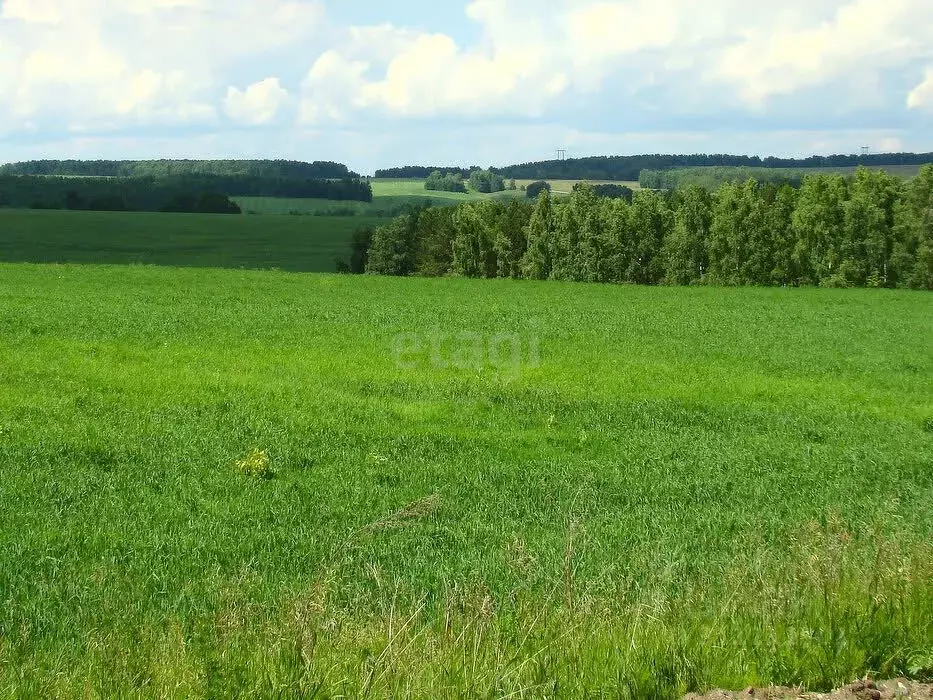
<point>167,193</point>
<point>628,168</point>
<point>419,172</point>
<point>869,230</point>
<point>713,177</point>
<point>282,169</point>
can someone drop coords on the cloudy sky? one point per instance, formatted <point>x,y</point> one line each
<point>374,83</point>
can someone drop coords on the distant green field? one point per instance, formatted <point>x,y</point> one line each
<point>302,244</point>
<point>415,188</point>
<point>481,489</point>
<point>381,207</point>
<point>390,197</point>
<point>566,186</point>
<point>905,171</point>
<point>713,177</point>
<point>314,207</point>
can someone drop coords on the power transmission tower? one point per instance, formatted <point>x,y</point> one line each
<point>866,150</point>
<point>561,154</point>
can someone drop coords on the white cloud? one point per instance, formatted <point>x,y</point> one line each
<point>89,65</point>
<point>921,97</point>
<point>330,89</point>
<point>258,104</point>
<point>863,36</point>
<point>39,11</point>
<point>598,66</point>
<point>739,54</point>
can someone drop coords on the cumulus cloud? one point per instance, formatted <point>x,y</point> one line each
<point>257,104</point>
<point>921,97</point>
<point>597,65</point>
<point>79,65</point>
<point>39,11</point>
<point>433,75</point>
<point>331,88</point>
<point>863,36</point>
<point>740,53</point>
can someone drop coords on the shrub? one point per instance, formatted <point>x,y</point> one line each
<point>610,191</point>
<point>256,465</point>
<point>534,190</point>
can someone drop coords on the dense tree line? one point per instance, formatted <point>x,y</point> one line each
<point>421,172</point>
<point>868,230</point>
<point>275,169</point>
<point>347,189</point>
<point>713,177</point>
<point>449,182</point>
<point>155,194</point>
<point>113,194</point>
<point>629,167</point>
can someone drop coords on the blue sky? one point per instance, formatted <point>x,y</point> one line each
<point>487,82</point>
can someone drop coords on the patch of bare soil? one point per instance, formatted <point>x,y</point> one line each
<point>898,689</point>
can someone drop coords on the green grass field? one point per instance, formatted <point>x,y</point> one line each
<point>566,186</point>
<point>481,488</point>
<point>304,244</point>
<point>389,188</point>
<point>389,198</point>
<point>903,171</point>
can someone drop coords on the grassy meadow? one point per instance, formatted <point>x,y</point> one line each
<point>904,171</point>
<point>478,488</point>
<point>390,197</point>
<point>304,244</point>
<point>391,188</point>
<point>566,186</point>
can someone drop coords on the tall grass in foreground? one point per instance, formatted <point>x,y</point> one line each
<point>838,605</point>
<point>225,483</point>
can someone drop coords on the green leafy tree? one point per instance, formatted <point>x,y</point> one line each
<point>510,241</point>
<point>780,223</point>
<point>473,246</point>
<point>566,243</point>
<point>435,233</point>
<point>819,221</point>
<point>616,215</point>
<point>538,260</point>
<point>593,241</point>
<point>394,246</point>
<point>914,224</point>
<point>684,250</point>
<point>486,182</point>
<point>741,243</point>
<point>652,221</point>
<point>439,182</point>
<point>578,237</point>
<point>727,239</point>
<point>534,190</point>
<point>870,225</point>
